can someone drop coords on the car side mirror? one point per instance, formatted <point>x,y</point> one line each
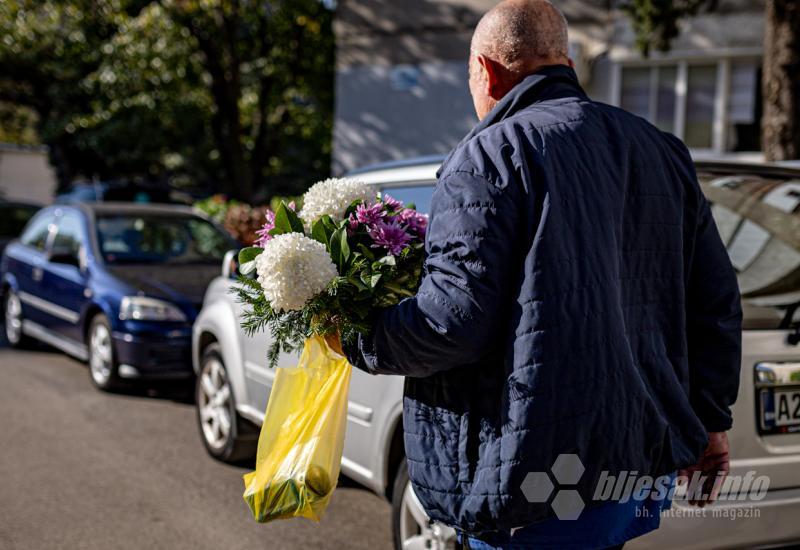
<point>230,264</point>
<point>64,256</point>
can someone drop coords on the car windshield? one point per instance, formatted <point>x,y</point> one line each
<point>158,238</point>
<point>419,195</point>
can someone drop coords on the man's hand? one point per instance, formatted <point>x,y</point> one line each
<point>710,471</point>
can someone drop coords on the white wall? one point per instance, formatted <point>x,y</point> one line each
<point>26,175</point>
<point>398,112</point>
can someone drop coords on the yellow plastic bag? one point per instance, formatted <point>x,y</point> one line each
<point>300,445</point>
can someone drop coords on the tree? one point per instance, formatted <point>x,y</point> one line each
<point>656,23</point>
<point>270,73</point>
<point>236,95</point>
<point>47,48</point>
<point>781,87</point>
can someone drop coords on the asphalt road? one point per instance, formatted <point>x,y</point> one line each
<point>81,469</point>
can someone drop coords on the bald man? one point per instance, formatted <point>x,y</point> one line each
<point>578,313</point>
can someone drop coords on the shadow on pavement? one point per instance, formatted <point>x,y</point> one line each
<point>178,391</point>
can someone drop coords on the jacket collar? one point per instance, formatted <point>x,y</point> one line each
<point>550,82</point>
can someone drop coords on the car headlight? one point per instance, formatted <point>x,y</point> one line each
<point>141,308</point>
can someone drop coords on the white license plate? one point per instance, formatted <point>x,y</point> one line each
<point>780,410</point>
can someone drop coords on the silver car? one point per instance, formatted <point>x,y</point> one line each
<point>756,208</point>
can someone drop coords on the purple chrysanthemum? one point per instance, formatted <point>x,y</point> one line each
<point>269,225</point>
<point>370,215</point>
<point>391,203</point>
<point>263,233</point>
<point>415,222</point>
<point>390,236</point>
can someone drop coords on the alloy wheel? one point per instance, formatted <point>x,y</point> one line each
<point>13,318</point>
<point>417,531</point>
<point>214,404</point>
<point>101,356</point>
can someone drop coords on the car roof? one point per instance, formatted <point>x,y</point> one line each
<point>106,208</point>
<point>419,169</point>
<point>423,169</point>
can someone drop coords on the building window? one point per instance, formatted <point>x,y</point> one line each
<point>701,91</point>
<point>744,107</point>
<point>712,105</point>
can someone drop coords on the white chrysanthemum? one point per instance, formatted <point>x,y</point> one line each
<point>332,197</point>
<point>293,269</point>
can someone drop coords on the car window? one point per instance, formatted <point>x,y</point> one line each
<point>417,194</point>
<point>37,231</point>
<point>157,238</point>
<point>757,218</point>
<point>13,218</point>
<point>69,235</point>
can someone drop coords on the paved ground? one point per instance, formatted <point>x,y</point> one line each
<point>84,469</point>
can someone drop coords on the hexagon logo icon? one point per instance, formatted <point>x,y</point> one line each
<point>568,504</point>
<point>568,469</point>
<point>537,487</point>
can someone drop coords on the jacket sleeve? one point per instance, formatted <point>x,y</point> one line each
<point>453,319</point>
<point>714,326</point>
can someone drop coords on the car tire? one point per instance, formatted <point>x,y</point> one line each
<point>411,526</point>
<point>103,368</point>
<point>226,436</point>
<point>12,321</point>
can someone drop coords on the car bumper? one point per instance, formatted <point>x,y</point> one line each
<point>769,522</point>
<point>154,354</point>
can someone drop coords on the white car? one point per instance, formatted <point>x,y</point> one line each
<point>756,210</point>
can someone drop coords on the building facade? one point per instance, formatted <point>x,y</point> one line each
<point>26,174</point>
<point>401,85</point>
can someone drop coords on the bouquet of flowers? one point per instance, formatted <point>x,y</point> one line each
<point>319,274</point>
<point>323,270</point>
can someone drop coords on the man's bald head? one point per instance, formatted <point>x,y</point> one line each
<point>514,39</point>
<point>522,34</point>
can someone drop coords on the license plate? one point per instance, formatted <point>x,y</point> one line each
<point>780,410</point>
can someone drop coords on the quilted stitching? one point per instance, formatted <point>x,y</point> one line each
<point>561,310</point>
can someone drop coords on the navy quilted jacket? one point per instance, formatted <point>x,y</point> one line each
<point>576,298</point>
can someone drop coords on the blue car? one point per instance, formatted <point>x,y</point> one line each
<point>115,284</point>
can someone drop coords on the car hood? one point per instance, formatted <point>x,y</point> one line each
<point>177,283</point>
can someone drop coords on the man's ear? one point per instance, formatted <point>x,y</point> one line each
<point>571,62</point>
<point>493,71</point>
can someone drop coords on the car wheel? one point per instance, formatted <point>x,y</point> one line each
<point>411,526</point>
<point>102,363</point>
<point>226,436</point>
<point>12,310</point>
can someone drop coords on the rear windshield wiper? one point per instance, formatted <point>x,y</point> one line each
<point>788,322</point>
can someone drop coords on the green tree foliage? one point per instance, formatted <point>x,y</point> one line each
<point>17,125</point>
<point>46,49</point>
<point>234,95</point>
<point>655,22</point>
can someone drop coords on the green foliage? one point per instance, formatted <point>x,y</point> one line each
<point>247,259</point>
<point>369,279</point>
<point>276,201</point>
<point>286,221</point>
<point>215,207</point>
<point>18,125</point>
<point>229,95</point>
<point>655,22</point>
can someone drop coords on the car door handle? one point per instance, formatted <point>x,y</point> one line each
<point>37,274</point>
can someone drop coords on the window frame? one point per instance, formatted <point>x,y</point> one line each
<point>722,61</point>
<point>46,215</point>
<point>81,229</point>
